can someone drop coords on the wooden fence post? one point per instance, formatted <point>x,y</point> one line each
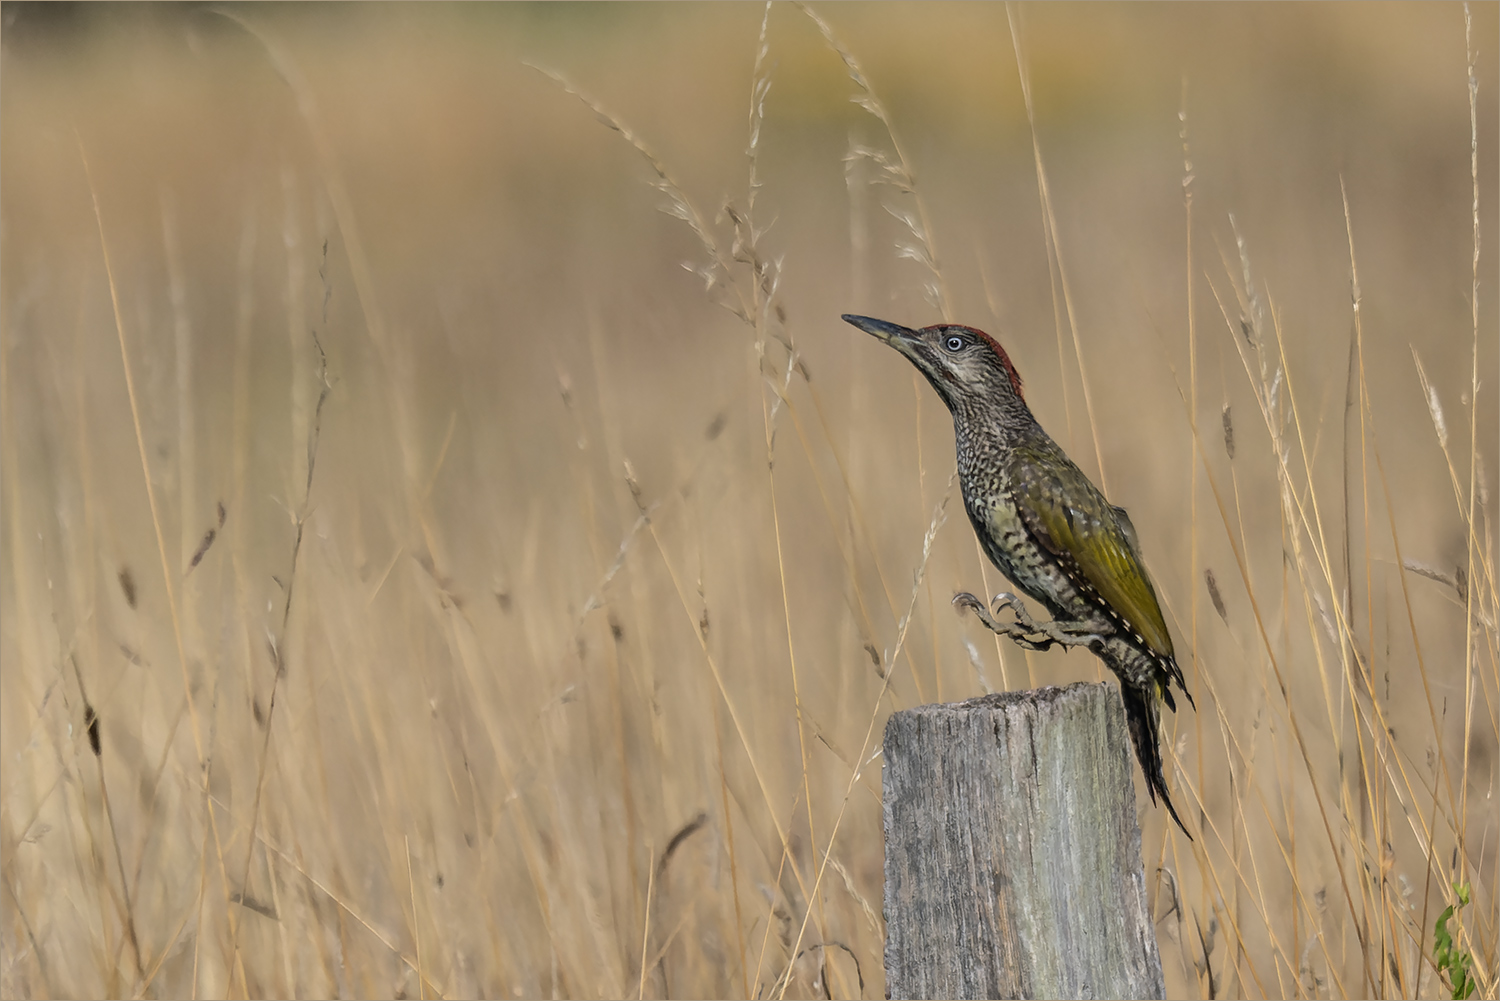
<point>1012,852</point>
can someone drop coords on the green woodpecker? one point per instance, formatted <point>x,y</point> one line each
<point>1048,529</point>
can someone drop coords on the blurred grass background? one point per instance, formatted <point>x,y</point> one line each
<point>552,611</point>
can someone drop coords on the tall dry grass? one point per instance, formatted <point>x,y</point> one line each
<point>437,564</point>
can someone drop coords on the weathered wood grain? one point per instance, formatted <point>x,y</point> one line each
<point>1013,856</point>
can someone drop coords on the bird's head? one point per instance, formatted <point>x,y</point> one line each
<point>966,366</point>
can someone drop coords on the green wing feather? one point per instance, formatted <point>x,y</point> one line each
<point>1093,540</point>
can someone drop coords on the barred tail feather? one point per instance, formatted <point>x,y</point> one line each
<point>1174,673</point>
<point>1143,715</point>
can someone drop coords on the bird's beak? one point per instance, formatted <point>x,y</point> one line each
<point>910,344</point>
<point>893,334</point>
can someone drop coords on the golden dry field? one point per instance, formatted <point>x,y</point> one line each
<point>452,547</point>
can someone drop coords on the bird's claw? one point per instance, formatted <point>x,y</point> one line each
<point>966,600</point>
<point>1025,631</point>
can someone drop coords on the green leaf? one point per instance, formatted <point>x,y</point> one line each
<point>1450,960</point>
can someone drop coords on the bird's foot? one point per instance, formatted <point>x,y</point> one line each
<point>1026,631</point>
<point>1015,630</point>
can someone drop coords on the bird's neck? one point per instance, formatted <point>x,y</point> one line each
<point>989,429</point>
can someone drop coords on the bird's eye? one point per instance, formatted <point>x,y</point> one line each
<point>954,343</point>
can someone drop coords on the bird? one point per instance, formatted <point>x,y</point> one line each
<point>1049,530</point>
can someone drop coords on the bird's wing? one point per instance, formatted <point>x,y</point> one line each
<point>1093,542</point>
